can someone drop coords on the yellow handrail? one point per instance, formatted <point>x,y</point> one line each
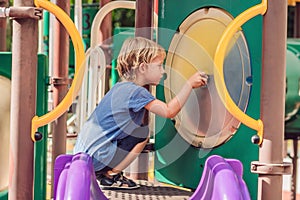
<point>80,57</point>
<point>231,29</point>
<point>293,2</point>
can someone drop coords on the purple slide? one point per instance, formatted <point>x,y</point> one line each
<point>74,178</point>
<point>222,179</point>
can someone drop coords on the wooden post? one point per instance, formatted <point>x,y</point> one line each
<point>60,83</point>
<point>105,40</point>
<point>143,28</point>
<point>273,97</point>
<point>3,3</point>
<point>23,101</point>
<point>297,21</point>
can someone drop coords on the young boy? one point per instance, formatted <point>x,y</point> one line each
<point>114,134</point>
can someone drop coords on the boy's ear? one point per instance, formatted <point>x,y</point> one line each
<point>142,67</point>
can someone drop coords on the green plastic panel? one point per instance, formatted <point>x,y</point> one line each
<point>292,112</point>
<point>88,14</point>
<point>4,195</point>
<point>176,161</point>
<point>40,149</point>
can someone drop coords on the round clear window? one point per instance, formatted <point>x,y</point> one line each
<point>204,121</point>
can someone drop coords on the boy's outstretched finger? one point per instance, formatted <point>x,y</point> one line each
<point>204,78</point>
<point>205,81</point>
<point>203,74</point>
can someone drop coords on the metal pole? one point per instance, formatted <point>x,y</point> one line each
<point>60,83</point>
<point>105,38</point>
<point>273,97</point>
<point>144,18</point>
<point>3,3</point>
<point>143,28</point>
<point>143,25</point>
<point>297,21</point>
<point>295,140</point>
<point>23,101</point>
<point>295,168</point>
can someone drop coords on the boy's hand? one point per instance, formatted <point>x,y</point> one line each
<point>198,79</point>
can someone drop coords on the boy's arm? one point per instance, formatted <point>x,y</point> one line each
<point>172,108</point>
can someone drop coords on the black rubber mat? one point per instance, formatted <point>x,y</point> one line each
<point>149,191</point>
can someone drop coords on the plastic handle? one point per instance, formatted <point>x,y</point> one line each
<point>231,29</point>
<point>80,56</point>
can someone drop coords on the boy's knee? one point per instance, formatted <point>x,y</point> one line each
<point>143,141</point>
<point>146,140</point>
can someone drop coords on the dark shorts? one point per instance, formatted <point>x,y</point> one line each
<point>124,146</point>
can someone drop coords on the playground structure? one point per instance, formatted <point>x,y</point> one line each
<point>243,134</point>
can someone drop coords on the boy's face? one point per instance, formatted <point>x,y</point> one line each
<point>155,71</point>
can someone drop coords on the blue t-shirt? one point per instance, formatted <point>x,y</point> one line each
<point>118,114</point>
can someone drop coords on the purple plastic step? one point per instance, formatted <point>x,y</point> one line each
<point>222,179</point>
<point>74,178</point>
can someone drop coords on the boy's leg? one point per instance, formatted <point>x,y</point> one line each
<point>128,149</point>
<point>129,158</point>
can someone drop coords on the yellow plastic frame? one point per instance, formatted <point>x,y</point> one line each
<point>80,57</point>
<point>231,29</point>
<point>293,2</point>
<point>218,60</point>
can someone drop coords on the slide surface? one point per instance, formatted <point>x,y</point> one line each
<point>222,179</point>
<point>74,178</point>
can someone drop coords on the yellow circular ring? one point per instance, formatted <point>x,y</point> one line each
<point>80,56</point>
<point>219,61</point>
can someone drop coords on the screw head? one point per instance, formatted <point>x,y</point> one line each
<point>38,136</point>
<point>255,139</point>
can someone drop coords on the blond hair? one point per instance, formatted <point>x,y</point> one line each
<point>134,52</point>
